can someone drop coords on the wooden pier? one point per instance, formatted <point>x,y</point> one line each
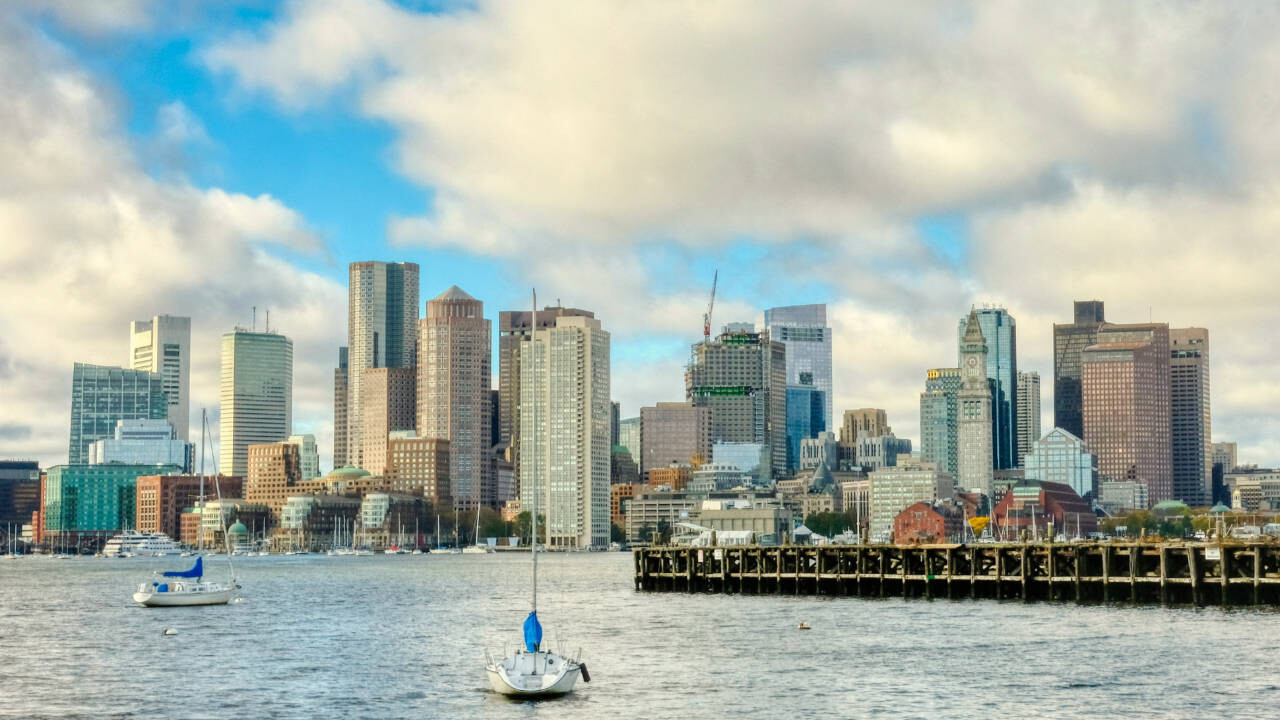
<point>1166,573</point>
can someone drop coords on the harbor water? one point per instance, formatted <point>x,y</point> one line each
<point>405,637</point>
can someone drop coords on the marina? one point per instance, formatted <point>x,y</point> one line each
<point>1163,573</point>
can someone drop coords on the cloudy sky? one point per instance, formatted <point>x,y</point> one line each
<point>898,164</point>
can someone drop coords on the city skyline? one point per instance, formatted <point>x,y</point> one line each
<point>228,227</point>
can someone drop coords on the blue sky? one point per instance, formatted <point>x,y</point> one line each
<point>205,158</point>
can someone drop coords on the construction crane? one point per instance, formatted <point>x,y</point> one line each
<point>706,317</point>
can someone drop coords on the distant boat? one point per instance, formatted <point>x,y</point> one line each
<point>531,671</point>
<point>131,542</point>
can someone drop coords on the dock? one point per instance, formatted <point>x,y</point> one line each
<point>1234,573</point>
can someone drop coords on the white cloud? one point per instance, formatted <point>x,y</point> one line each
<point>89,242</point>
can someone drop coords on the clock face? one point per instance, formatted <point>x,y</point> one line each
<point>972,361</point>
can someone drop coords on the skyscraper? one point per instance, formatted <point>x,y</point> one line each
<point>871,421</point>
<point>515,327</point>
<point>1125,384</point>
<point>742,377</point>
<point>103,396</point>
<point>340,410</point>
<point>939,419</point>
<point>629,437</point>
<point>389,406</point>
<point>382,331</point>
<point>673,432</point>
<point>1069,341</point>
<point>163,345</point>
<point>454,356</point>
<point>806,413</point>
<point>1189,411</point>
<point>564,429</point>
<point>803,330</point>
<point>256,395</point>
<point>1028,413</point>
<point>1001,335</point>
<point>974,443</point>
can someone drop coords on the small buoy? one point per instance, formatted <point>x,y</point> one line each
<point>169,631</point>
<point>803,626</point>
<point>239,599</point>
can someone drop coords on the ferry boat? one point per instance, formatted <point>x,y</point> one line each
<point>131,542</point>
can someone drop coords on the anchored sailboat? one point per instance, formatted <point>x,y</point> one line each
<point>188,587</point>
<point>531,671</point>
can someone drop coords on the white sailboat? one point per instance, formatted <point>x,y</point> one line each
<point>477,549</point>
<point>530,671</point>
<point>188,587</point>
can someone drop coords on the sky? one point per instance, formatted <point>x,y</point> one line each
<point>900,164</point>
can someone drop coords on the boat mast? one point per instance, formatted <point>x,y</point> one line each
<point>533,534</point>
<point>222,520</point>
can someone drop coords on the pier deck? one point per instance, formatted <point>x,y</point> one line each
<point>1168,573</point>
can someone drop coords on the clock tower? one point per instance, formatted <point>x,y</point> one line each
<point>974,421</point>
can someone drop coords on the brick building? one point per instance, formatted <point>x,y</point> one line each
<point>923,522</point>
<point>162,498</point>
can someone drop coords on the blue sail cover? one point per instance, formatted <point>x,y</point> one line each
<point>194,572</point>
<point>532,632</point>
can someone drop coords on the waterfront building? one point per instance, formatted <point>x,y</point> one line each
<point>143,442</point>
<point>629,437</point>
<point>1028,412</point>
<point>86,504</point>
<point>974,425</point>
<point>1254,489</point>
<point>819,451</point>
<point>1126,405</point>
<point>942,521</point>
<point>855,494</point>
<point>162,345</point>
<point>274,474</point>
<point>161,499</point>
<point>516,327</point>
<point>382,332</point>
<point>564,409</point>
<point>620,495</point>
<point>653,511</point>
<point>256,395</point>
<point>349,481</point>
<point>1069,342</point>
<point>308,455</point>
<point>1190,431</point>
<point>318,522</point>
<point>894,488</point>
<point>1000,335</point>
<point>1118,496</point>
<point>770,523</point>
<point>454,355</point>
<point>340,421</point>
<point>389,519</point>
<point>806,408</point>
<point>227,513</point>
<point>102,396</point>
<point>1032,504</point>
<point>803,331</point>
<point>674,432</point>
<point>19,490</point>
<point>747,457</point>
<point>672,477</point>
<point>940,418</point>
<point>741,376</point>
<point>715,477</point>
<point>389,404</point>
<point>1063,458</point>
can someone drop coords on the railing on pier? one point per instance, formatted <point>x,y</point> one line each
<point>1167,573</point>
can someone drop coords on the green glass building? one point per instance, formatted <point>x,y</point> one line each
<point>94,499</point>
<point>101,396</point>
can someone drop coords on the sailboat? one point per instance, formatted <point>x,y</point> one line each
<point>188,587</point>
<point>441,548</point>
<point>477,549</point>
<point>530,671</point>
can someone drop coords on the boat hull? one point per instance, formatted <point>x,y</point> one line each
<point>176,599</point>
<point>516,677</point>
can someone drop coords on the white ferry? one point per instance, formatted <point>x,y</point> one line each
<point>131,542</point>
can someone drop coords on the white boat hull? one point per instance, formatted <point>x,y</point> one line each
<point>540,674</point>
<point>182,595</point>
